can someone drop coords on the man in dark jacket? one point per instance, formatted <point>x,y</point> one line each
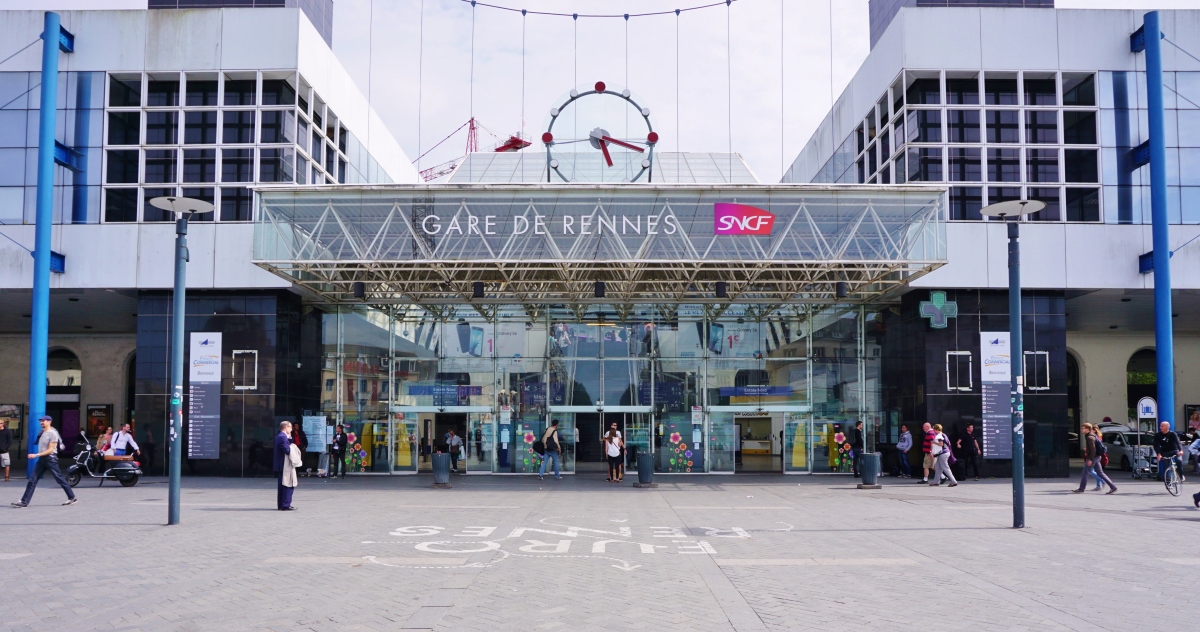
<point>856,444</point>
<point>968,447</point>
<point>337,452</point>
<point>6,439</point>
<point>283,446</point>
<point>1166,446</point>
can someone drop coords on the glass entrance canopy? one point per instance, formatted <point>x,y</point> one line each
<point>550,244</point>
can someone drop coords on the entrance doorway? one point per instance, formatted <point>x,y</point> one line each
<point>418,433</point>
<point>64,381</point>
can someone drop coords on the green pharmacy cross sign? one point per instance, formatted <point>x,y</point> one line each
<point>938,310</point>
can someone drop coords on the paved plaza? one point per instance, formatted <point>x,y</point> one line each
<point>514,553</point>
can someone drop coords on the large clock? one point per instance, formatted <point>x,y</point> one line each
<point>630,151</point>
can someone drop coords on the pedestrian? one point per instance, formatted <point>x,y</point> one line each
<point>968,446</point>
<point>927,461</point>
<point>104,440</point>
<point>1166,446</point>
<point>903,446</point>
<point>454,444</point>
<point>614,444</point>
<point>47,459</point>
<point>337,450</point>
<point>290,479</point>
<point>283,450</point>
<point>123,440</point>
<point>6,439</point>
<point>940,449</point>
<point>553,449</point>
<point>1093,452</point>
<point>856,447</point>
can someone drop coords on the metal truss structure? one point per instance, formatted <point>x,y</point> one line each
<point>547,244</point>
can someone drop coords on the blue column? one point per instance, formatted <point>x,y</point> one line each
<point>39,333</point>
<point>1164,339</point>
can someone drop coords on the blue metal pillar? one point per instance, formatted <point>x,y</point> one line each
<point>178,322</point>
<point>1164,338</point>
<point>39,332</point>
<point>1016,365</point>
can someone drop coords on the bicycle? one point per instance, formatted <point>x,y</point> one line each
<point>1171,477</point>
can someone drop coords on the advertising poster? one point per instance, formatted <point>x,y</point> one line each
<point>1192,413</point>
<point>996,382</point>
<point>10,414</point>
<point>204,396</point>
<point>98,416</point>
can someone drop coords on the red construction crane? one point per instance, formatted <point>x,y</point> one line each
<point>514,143</point>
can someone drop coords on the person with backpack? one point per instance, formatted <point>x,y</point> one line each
<point>553,450</point>
<point>1094,454</point>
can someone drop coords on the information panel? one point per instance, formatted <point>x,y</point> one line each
<point>204,396</point>
<point>996,379</point>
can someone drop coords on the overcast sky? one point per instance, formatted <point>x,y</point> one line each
<point>780,61</point>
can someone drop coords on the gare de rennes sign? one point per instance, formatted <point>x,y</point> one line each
<point>728,219</point>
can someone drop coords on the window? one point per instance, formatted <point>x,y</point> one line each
<point>237,165</point>
<point>871,164</point>
<point>201,92</point>
<point>161,166</point>
<point>1079,128</point>
<point>235,204</point>
<point>328,384</point>
<point>199,165</point>
<point>278,92</point>
<point>200,128</point>
<point>303,101</point>
<point>1083,205</point>
<point>859,143</point>
<point>239,92</point>
<point>200,193</point>
<point>964,164</point>
<point>124,93</point>
<point>342,132</point>
<point>965,203</point>
<point>275,165</point>
<point>162,128</point>
<point>900,171</point>
<point>1041,165</point>
<point>1080,165</point>
<point>239,126</point>
<point>1079,89</point>
<point>963,125</point>
<point>342,172</point>
<point>151,213</point>
<point>870,124</point>
<point>925,126</point>
<point>301,170</point>
<point>885,146</point>
<point>124,128</point>
<point>122,166</point>
<point>120,205</point>
<point>1003,194</point>
<point>1037,370</point>
<point>302,133</point>
<point>1040,92</point>
<point>317,145</point>
<point>962,91</point>
<point>1052,212</point>
<point>160,94</point>
<point>1004,165</point>
<point>924,92</point>
<point>1000,91</point>
<point>1002,126</point>
<point>1041,126</point>
<point>959,371</point>
<point>278,126</point>
<point>924,164</point>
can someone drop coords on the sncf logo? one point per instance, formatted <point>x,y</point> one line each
<point>740,219</point>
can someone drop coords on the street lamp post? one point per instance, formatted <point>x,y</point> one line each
<point>1014,209</point>
<point>183,208</point>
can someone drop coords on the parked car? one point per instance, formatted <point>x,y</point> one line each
<point>1122,445</point>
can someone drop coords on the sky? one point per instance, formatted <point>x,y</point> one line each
<point>761,91</point>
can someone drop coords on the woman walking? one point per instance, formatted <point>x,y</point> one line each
<point>613,445</point>
<point>940,449</point>
<point>1091,461</point>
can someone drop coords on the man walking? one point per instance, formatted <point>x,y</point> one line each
<point>337,452</point>
<point>5,445</point>
<point>968,446</point>
<point>927,448</point>
<point>47,459</point>
<point>903,446</point>
<point>553,448</point>
<point>856,445</point>
<point>283,448</point>
<point>454,444</point>
<point>122,442</point>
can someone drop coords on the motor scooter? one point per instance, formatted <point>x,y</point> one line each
<point>89,462</point>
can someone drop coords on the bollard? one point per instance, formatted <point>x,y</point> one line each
<point>870,470</point>
<point>645,470</point>
<point>441,471</point>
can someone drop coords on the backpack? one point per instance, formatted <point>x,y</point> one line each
<point>539,447</point>
<point>1100,447</point>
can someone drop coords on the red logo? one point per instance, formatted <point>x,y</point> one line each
<point>740,219</point>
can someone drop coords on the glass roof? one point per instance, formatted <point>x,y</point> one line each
<point>589,167</point>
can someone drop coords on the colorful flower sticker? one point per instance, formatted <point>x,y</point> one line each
<point>839,437</point>
<point>675,438</point>
<point>362,454</point>
<point>688,454</point>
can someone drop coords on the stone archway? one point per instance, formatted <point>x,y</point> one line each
<point>64,384</point>
<point>1141,379</point>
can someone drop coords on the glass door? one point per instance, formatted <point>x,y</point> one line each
<point>405,451</point>
<point>796,449</point>
<point>723,441</point>
<point>831,446</point>
<point>479,442</point>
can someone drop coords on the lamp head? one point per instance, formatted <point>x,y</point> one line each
<point>181,206</point>
<point>1012,208</point>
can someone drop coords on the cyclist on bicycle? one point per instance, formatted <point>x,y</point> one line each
<point>1166,446</point>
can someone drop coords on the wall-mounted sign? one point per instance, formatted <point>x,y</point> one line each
<point>938,310</point>
<point>1147,408</point>
<point>996,382</point>
<point>204,396</point>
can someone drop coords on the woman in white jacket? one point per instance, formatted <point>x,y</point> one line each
<point>294,461</point>
<point>940,449</point>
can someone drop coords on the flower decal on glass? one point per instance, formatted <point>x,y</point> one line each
<point>675,437</point>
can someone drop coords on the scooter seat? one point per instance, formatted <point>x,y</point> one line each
<point>113,457</point>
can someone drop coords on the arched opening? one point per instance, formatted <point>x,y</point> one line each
<point>1073,408</point>
<point>64,379</point>
<point>1142,381</point>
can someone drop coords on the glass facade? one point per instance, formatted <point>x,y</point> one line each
<point>695,386</point>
